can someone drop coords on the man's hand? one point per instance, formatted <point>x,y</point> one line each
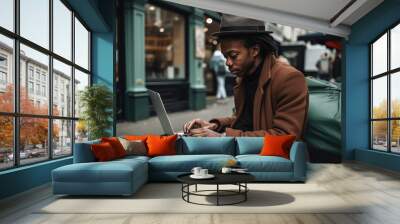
<point>198,123</point>
<point>204,132</point>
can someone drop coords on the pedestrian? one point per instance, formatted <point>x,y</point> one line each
<point>270,97</point>
<point>220,70</point>
<point>324,66</point>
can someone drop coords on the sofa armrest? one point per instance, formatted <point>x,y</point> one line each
<point>298,155</point>
<point>83,152</point>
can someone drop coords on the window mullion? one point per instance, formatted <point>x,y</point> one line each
<point>389,106</point>
<point>50,81</point>
<point>73,82</point>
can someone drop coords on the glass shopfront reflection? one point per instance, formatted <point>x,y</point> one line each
<point>165,44</point>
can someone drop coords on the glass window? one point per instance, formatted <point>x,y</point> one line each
<point>40,62</point>
<point>379,56</point>
<point>7,14</point>
<point>379,135</point>
<point>62,72</point>
<point>3,61</point>
<point>81,45</point>
<point>165,44</point>
<point>385,125</point>
<point>62,29</point>
<point>35,21</point>
<point>395,136</point>
<point>6,73</point>
<point>30,87</point>
<point>62,138</point>
<point>33,139</point>
<point>6,142</point>
<point>81,131</point>
<point>395,95</point>
<point>34,79</point>
<point>30,71</point>
<point>379,100</point>
<point>81,81</point>
<point>395,47</point>
<point>37,89</point>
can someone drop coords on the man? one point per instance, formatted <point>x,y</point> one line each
<point>270,97</point>
<point>219,68</point>
<point>323,65</point>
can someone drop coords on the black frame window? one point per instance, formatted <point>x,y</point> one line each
<point>40,119</point>
<point>384,91</point>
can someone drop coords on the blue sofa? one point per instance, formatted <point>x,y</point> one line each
<point>125,176</point>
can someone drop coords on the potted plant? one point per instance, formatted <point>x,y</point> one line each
<point>96,104</point>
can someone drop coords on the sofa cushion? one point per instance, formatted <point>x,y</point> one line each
<point>185,163</point>
<point>277,145</point>
<point>206,145</point>
<point>249,145</point>
<point>112,171</point>
<point>257,163</point>
<point>103,152</point>
<point>161,145</point>
<point>134,147</point>
<point>116,145</point>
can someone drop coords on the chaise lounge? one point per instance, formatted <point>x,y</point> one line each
<point>125,176</point>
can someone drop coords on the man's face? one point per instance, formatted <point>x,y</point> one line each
<point>239,59</point>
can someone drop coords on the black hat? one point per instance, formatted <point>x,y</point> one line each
<point>234,25</point>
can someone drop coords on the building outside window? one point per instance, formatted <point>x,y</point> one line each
<point>3,77</point>
<point>165,44</point>
<point>30,87</point>
<point>3,72</point>
<point>385,92</point>
<point>34,81</point>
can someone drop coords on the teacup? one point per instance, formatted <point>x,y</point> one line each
<point>196,170</point>
<point>203,172</point>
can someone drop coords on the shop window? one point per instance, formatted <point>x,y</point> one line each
<point>165,44</point>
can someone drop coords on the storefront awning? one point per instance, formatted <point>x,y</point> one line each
<point>326,16</point>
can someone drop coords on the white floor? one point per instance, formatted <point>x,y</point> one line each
<point>377,189</point>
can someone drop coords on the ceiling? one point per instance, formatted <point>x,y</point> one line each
<point>327,16</point>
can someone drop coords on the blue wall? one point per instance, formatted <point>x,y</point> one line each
<point>103,64</point>
<point>356,84</point>
<point>24,178</point>
<point>100,22</point>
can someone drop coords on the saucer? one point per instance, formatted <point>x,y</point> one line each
<point>208,176</point>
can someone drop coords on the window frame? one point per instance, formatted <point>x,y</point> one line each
<point>16,114</point>
<point>388,74</point>
<point>185,14</point>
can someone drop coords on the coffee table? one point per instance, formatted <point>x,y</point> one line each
<point>238,179</point>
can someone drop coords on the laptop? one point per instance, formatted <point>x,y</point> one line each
<point>162,113</point>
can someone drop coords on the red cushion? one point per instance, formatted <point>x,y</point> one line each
<point>277,145</point>
<point>161,145</point>
<point>103,152</point>
<point>116,145</point>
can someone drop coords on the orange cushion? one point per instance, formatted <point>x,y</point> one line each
<point>116,145</point>
<point>277,145</point>
<point>161,145</point>
<point>103,152</point>
<point>136,137</point>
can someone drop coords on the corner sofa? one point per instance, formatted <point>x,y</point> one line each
<point>126,175</point>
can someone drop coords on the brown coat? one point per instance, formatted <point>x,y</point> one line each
<point>280,103</point>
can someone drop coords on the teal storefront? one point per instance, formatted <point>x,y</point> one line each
<point>161,46</point>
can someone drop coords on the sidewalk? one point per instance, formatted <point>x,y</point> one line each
<point>152,125</point>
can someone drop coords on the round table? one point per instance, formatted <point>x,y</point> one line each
<point>238,179</point>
